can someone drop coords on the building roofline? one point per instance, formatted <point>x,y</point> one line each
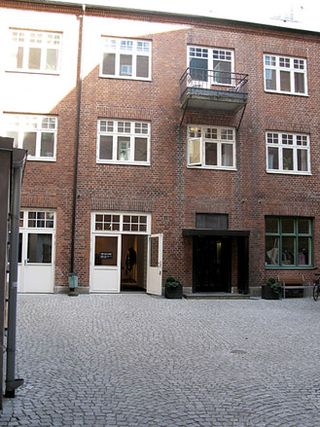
<point>223,21</point>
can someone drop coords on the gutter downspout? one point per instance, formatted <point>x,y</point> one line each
<point>72,276</point>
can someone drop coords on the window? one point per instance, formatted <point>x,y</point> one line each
<point>123,142</point>
<point>35,51</point>
<point>127,59</point>
<point>211,147</point>
<point>288,153</point>
<point>125,223</point>
<point>285,75</point>
<point>213,221</point>
<point>211,65</point>
<point>37,134</point>
<point>37,219</point>
<point>289,242</point>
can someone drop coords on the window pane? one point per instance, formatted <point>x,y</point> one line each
<point>303,226</point>
<point>142,66</point>
<point>19,62</point>
<point>141,149</point>
<point>272,225</point>
<point>287,251</point>
<point>20,248</point>
<point>123,148</point>
<point>195,151</point>
<point>299,83</point>
<point>270,76</point>
<point>287,225</point>
<point>302,160</point>
<point>52,59</point>
<point>29,142</point>
<point>287,159</point>
<point>105,149</point>
<point>34,58</point>
<point>199,69</point>
<point>272,250</point>
<point>109,64</point>
<point>47,144</point>
<point>39,248</point>
<point>211,154</point>
<point>125,65</point>
<point>106,251</point>
<point>273,158</point>
<point>303,251</point>
<point>221,72</point>
<point>285,81</point>
<point>227,155</point>
<point>154,252</point>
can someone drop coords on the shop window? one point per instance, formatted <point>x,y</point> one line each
<point>288,242</point>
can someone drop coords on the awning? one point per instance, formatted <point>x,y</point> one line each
<point>189,232</point>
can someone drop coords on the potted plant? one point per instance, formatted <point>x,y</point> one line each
<point>173,288</point>
<point>272,289</point>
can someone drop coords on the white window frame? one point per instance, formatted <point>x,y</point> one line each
<point>41,223</point>
<point>116,46</point>
<point>130,132</point>
<point>281,137</point>
<point>29,39</point>
<point>295,65</point>
<point>121,228</point>
<point>208,53</point>
<point>200,140</point>
<point>18,124</point>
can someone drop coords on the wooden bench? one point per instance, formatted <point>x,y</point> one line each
<point>296,281</point>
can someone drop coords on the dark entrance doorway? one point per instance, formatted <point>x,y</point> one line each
<point>211,264</point>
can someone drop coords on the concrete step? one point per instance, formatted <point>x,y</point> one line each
<point>214,295</point>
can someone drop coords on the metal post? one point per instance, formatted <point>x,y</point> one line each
<point>5,162</point>
<point>17,172</point>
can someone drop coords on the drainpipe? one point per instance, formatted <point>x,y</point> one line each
<point>18,161</point>
<point>73,279</point>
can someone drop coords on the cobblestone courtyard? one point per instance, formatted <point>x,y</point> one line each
<point>137,360</point>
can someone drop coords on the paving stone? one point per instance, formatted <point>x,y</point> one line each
<point>134,360</point>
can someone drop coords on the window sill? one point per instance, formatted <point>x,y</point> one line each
<point>138,79</point>
<point>36,72</point>
<point>217,168</point>
<point>305,95</point>
<point>42,159</point>
<point>290,267</point>
<point>285,172</point>
<point>116,163</point>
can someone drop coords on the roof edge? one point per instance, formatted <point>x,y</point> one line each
<point>217,20</point>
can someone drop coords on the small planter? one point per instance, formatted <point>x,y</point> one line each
<point>271,290</point>
<point>173,289</point>
<point>269,293</point>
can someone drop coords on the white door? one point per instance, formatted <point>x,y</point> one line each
<point>105,263</point>
<point>36,267</point>
<point>154,278</point>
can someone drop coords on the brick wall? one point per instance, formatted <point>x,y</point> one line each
<point>167,189</point>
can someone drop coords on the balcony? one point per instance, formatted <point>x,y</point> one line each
<point>213,90</point>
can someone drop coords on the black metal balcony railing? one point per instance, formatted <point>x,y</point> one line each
<point>213,89</point>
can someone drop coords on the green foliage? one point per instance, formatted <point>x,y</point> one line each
<point>274,284</point>
<point>171,282</point>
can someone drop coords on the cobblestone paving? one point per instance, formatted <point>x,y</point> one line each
<point>138,360</point>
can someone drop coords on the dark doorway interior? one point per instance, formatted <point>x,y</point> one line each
<point>211,264</point>
<point>133,263</point>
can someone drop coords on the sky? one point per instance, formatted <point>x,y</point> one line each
<point>303,14</point>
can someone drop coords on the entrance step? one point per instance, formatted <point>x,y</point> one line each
<point>214,295</point>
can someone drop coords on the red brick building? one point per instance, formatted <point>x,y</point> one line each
<point>161,145</point>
